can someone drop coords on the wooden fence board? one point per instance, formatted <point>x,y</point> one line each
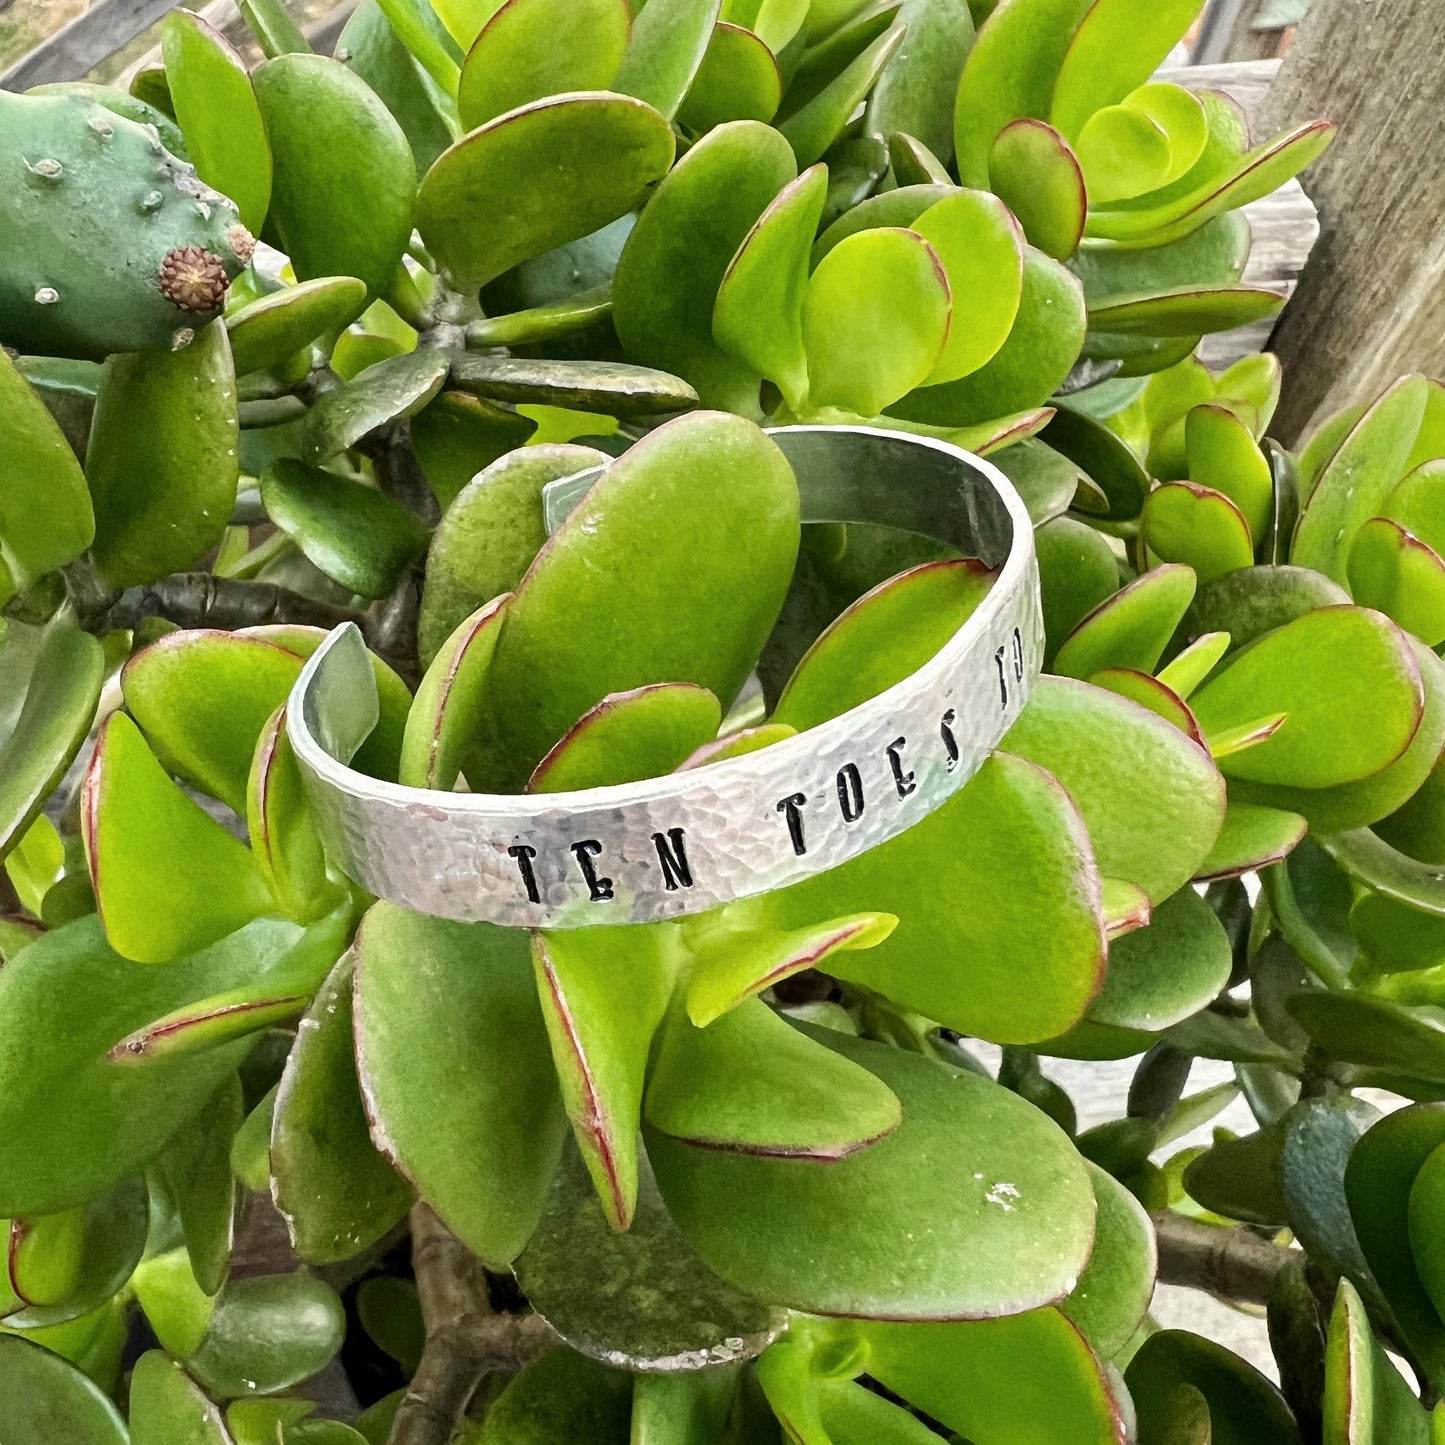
<point>76,49</point>
<point>1371,302</point>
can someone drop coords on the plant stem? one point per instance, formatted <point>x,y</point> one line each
<point>465,1338</point>
<point>1233,1263</point>
<point>199,599</point>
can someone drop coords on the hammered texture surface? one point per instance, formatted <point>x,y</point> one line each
<point>686,842</point>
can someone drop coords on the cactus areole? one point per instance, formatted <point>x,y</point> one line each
<point>110,242</point>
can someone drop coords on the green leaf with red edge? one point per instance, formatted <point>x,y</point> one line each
<point>666,50</point>
<point>750,1082</point>
<point>1168,971</point>
<point>216,109</point>
<point>196,1168</point>
<point>131,815</point>
<point>1109,752</point>
<point>530,49</point>
<point>1393,571</point>
<point>167,1407</point>
<point>1417,503</point>
<point>203,699</point>
<point>901,206</point>
<point>883,637</point>
<point>646,1301</point>
<point>71,1123</point>
<point>48,1394</point>
<point>1077,572</point>
<point>267,1333</point>
<point>1028,368</point>
<point>604,992</point>
<point>981,249</point>
<point>337,1194</point>
<point>59,702</point>
<point>1256,600</point>
<point>1124,153</point>
<point>1034,170</point>
<point>1132,628</point>
<point>965,1375</point>
<point>1114,50</point>
<point>1348,683</point>
<point>758,313</point>
<point>46,518</point>
<point>641,733</point>
<point>1367,1400</point>
<point>1354,805</point>
<point>356,535</point>
<point>378,754</point>
<point>1112,1297</point>
<point>285,842</point>
<point>1184,310</point>
<point>1149,693</point>
<point>1002,875</point>
<point>1184,672</point>
<point>269,331</point>
<point>812,127</point>
<point>1244,1407</point>
<point>445,714</point>
<point>875,320</point>
<point>489,535</point>
<point>538,177</point>
<point>1253,837</point>
<point>344,182</point>
<point>1242,180</point>
<point>733,961</point>
<point>106,1237</point>
<point>1125,906</point>
<point>738,79</point>
<point>162,458</point>
<point>1186,522</point>
<point>999,1175</point>
<point>275,994</point>
<point>674,261</point>
<point>1224,455</point>
<point>735,745</point>
<point>1354,484</point>
<point>700,613</point>
<point>1010,73</point>
<point>448,1012</point>
<point>1378,1178</point>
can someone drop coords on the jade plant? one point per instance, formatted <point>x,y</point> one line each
<point>301,343</point>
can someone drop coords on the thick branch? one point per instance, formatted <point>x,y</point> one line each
<point>197,599</point>
<point>465,1339</point>
<point>1233,1263</point>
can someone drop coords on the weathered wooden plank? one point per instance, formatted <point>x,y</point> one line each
<point>1371,301</point>
<point>75,49</point>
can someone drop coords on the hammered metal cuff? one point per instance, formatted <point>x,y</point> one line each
<point>690,841</point>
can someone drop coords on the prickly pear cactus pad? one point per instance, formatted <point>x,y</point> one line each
<point>283,1164</point>
<point>111,242</point>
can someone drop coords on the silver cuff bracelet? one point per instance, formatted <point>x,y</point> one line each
<point>690,841</point>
